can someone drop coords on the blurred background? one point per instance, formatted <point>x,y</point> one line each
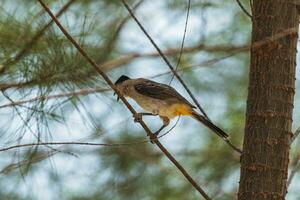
<point>51,94</point>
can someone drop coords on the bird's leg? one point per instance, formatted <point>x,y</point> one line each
<point>166,122</point>
<point>138,116</point>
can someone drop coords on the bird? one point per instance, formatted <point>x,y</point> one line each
<point>158,99</point>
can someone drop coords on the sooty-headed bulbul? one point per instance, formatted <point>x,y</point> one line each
<point>162,100</point>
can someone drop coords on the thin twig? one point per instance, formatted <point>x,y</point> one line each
<point>5,86</point>
<point>110,83</point>
<point>183,38</point>
<point>45,98</point>
<point>273,38</point>
<point>244,9</point>
<point>232,146</point>
<point>251,6</point>
<point>164,58</point>
<point>63,143</point>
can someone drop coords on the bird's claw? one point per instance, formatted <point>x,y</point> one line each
<point>153,138</point>
<point>117,96</point>
<point>137,117</point>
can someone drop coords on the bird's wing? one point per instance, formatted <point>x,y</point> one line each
<point>159,91</point>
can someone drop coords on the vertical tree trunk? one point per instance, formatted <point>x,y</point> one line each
<point>264,162</point>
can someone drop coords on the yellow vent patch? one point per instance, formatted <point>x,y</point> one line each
<point>181,109</point>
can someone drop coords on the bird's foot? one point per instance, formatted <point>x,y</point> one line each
<point>137,117</point>
<point>153,138</point>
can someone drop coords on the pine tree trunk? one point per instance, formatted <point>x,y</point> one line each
<point>265,158</point>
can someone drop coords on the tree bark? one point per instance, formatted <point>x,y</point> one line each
<point>265,157</point>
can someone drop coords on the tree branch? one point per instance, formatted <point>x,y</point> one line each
<point>110,83</point>
<point>68,94</point>
<point>69,143</point>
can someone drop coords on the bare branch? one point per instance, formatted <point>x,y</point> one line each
<point>69,143</point>
<point>106,78</point>
<point>275,37</point>
<point>5,86</point>
<point>45,98</point>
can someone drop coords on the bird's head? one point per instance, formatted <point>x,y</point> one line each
<point>121,79</point>
<point>119,84</point>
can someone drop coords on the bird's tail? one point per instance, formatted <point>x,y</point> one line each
<point>210,125</point>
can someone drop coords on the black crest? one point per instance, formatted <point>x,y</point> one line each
<point>121,79</point>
